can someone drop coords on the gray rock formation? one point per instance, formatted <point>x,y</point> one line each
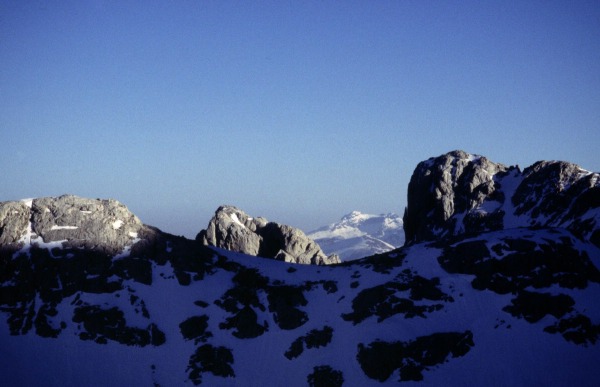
<point>234,230</point>
<point>14,218</point>
<point>69,221</point>
<point>458,193</point>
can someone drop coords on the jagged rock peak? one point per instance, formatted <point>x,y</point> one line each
<point>69,221</point>
<point>458,193</point>
<point>442,186</point>
<point>232,229</point>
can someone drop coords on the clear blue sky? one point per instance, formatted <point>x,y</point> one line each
<point>297,111</point>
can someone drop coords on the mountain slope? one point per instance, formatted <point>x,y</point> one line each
<point>359,235</point>
<point>504,306</point>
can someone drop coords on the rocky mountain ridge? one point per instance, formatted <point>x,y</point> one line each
<point>232,229</point>
<point>359,235</point>
<point>91,296</point>
<point>458,193</point>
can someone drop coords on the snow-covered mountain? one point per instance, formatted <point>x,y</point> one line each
<point>359,235</point>
<point>91,296</point>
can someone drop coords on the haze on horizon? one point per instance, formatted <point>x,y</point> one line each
<point>299,112</point>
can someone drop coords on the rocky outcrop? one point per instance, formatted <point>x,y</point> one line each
<point>234,230</point>
<point>69,221</point>
<point>458,193</point>
<point>14,218</point>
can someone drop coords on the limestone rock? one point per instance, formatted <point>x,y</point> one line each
<point>69,221</point>
<point>454,183</point>
<point>458,193</point>
<point>14,218</point>
<point>234,230</point>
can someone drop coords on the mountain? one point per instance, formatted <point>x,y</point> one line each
<point>91,296</point>
<point>232,229</point>
<point>359,235</point>
<point>459,193</point>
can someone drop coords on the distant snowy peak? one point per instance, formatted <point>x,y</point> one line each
<point>358,235</point>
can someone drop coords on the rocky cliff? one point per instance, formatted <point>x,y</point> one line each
<point>459,193</point>
<point>232,229</point>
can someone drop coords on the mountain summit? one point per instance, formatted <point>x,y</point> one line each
<point>359,235</point>
<point>459,193</point>
<point>498,284</point>
<point>232,229</point>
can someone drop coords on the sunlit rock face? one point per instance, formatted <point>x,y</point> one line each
<point>459,193</point>
<point>69,221</point>
<point>232,229</point>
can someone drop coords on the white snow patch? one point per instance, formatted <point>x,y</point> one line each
<point>55,227</point>
<point>473,157</point>
<point>236,220</point>
<point>133,234</point>
<point>117,224</point>
<point>28,202</point>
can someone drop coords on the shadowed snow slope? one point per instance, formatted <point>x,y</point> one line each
<point>510,307</point>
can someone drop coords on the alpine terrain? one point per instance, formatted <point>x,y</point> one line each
<point>497,284</point>
<point>358,235</point>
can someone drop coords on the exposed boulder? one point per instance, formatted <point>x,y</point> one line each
<point>458,193</point>
<point>234,230</point>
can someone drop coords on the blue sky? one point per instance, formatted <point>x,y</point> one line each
<point>297,111</point>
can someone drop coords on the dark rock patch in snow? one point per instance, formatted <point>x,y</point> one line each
<point>578,329</point>
<point>245,324</point>
<point>314,339</point>
<point>43,324</point>
<point>139,270</point>
<point>380,263</point>
<point>533,306</point>
<point>241,300</point>
<point>519,263</point>
<point>207,358</point>
<point>101,325</point>
<point>284,301</point>
<point>195,328</point>
<point>325,376</point>
<point>383,300</point>
<point>380,359</point>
